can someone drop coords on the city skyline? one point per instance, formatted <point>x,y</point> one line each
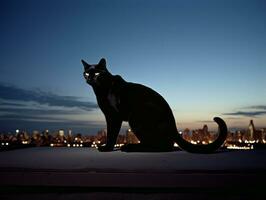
<point>248,139</point>
<point>206,58</point>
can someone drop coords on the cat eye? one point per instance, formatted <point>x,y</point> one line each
<point>97,74</point>
<point>86,75</point>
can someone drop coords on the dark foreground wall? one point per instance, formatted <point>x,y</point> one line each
<point>82,173</point>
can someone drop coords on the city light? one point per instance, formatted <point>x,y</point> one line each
<point>246,139</point>
<point>193,142</point>
<point>119,145</point>
<point>240,148</point>
<point>250,141</point>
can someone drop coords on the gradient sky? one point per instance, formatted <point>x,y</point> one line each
<point>206,57</point>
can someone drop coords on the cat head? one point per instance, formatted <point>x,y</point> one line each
<point>96,74</point>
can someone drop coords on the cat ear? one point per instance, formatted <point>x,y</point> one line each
<point>86,65</point>
<point>102,63</point>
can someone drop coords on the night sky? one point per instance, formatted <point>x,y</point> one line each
<point>206,57</point>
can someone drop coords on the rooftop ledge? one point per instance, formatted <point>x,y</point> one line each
<point>86,167</point>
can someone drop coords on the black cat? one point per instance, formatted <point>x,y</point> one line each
<point>146,111</point>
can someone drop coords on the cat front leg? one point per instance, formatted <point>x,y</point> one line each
<point>113,128</point>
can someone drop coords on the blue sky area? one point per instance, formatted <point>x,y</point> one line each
<point>206,57</point>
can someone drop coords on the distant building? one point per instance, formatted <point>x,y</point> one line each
<point>254,135</point>
<point>46,138</point>
<point>202,136</point>
<point>251,131</point>
<point>131,137</point>
<point>186,134</point>
<point>121,139</point>
<point>69,132</point>
<point>61,133</point>
<point>102,136</point>
<point>36,138</point>
<point>69,137</point>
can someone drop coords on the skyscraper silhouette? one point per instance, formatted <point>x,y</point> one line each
<point>251,130</point>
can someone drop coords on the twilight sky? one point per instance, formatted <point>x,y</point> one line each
<point>206,57</point>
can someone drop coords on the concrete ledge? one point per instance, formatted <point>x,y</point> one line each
<point>66,167</point>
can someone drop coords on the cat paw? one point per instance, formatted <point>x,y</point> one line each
<point>105,148</point>
<point>128,147</point>
<point>124,148</point>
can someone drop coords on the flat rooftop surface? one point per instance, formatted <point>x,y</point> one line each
<point>72,168</point>
<point>90,159</point>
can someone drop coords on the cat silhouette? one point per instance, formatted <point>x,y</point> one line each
<point>147,113</point>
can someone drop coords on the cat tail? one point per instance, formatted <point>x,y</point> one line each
<point>209,148</point>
